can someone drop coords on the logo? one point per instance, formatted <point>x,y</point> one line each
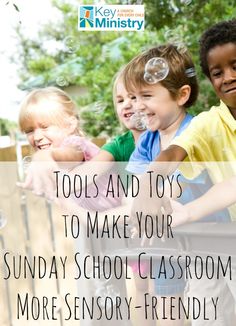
<point>86,17</point>
<point>111,18</point>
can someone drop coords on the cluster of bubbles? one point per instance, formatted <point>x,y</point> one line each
<point>71,44</point>
<point>139,120</point>
<point>3,220</point>
<point>62,81</point>
<point>156,69</point>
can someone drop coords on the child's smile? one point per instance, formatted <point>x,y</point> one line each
<point>160,108</point>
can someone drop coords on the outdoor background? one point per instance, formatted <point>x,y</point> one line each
<point>41,46</point>
<point>54,52</point>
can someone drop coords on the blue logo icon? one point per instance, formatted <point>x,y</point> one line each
<point>86,17</point>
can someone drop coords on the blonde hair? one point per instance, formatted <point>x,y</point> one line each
<point>61,107</point>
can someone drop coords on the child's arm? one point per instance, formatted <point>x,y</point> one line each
<point>144,203</point>
<point>103,156</point>
<point>68,154</point>
<point>220,196</point>
<point>39,174</point>
<point>48,163</point>
<point>173,153</point>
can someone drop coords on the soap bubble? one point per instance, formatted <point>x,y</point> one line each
<point>26,163</point>
<point>105,291</point>
<point>71,44</point>
<point>175,39</point>
<point>186,2</point>
<point>106,52</point>
<point>3,220</point>
<point>156,69</point>
<point>150,79</point>
<point>171,36</point>
<point>99,106</point>
<point>62,81</point>
<point>139,120</point>
<point>181,47</point>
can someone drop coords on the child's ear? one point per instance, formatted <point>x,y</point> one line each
<point>183,95</point>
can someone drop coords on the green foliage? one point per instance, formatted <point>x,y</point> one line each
<point>91,59</point>
<point>6,127</point>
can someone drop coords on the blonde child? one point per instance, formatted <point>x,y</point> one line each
<point>119,149</point>
<point>50,121</point>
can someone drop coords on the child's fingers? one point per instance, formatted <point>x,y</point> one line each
<point>166,204</point>
<point>27,184</point>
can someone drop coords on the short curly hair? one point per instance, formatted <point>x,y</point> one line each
<point>219,34</point>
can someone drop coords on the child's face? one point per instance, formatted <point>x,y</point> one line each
<point>222,67</point>
<point>156,102</point>
<point>43,134</point>
<point>124,105</point>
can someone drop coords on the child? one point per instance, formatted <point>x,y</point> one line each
<point>164,104</point>
<point>121,147</point>
<point>210,137</point>
<point>49,119</point>
<point>50,112</point>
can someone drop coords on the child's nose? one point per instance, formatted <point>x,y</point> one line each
<point>128,103</point>
<point>139,105</point>
<point>38,134</point>
<point>229,76</point>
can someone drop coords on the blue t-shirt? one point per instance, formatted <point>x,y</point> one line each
<point>146,151</point>
<point>148,147</point>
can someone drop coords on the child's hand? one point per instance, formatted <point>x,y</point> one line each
<point>180,213</point>
<point>40,176</point>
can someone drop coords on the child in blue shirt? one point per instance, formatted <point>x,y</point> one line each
<point>164,105</point>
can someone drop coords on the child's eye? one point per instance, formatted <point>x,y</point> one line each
<point>120,100</point>
<point>216,73</point>
<point>29,131</point>
<point>43,126</point>
<point>147,95</point>
<point>133,97</point>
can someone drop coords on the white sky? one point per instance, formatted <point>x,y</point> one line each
<point>32,14</point>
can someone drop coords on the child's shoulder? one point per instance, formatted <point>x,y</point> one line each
<point>126,135</point>
<point>123,138</point>
<point>215,115</point>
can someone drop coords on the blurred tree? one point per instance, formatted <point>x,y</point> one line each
<point>64,56</point>
<point>7,127</point>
